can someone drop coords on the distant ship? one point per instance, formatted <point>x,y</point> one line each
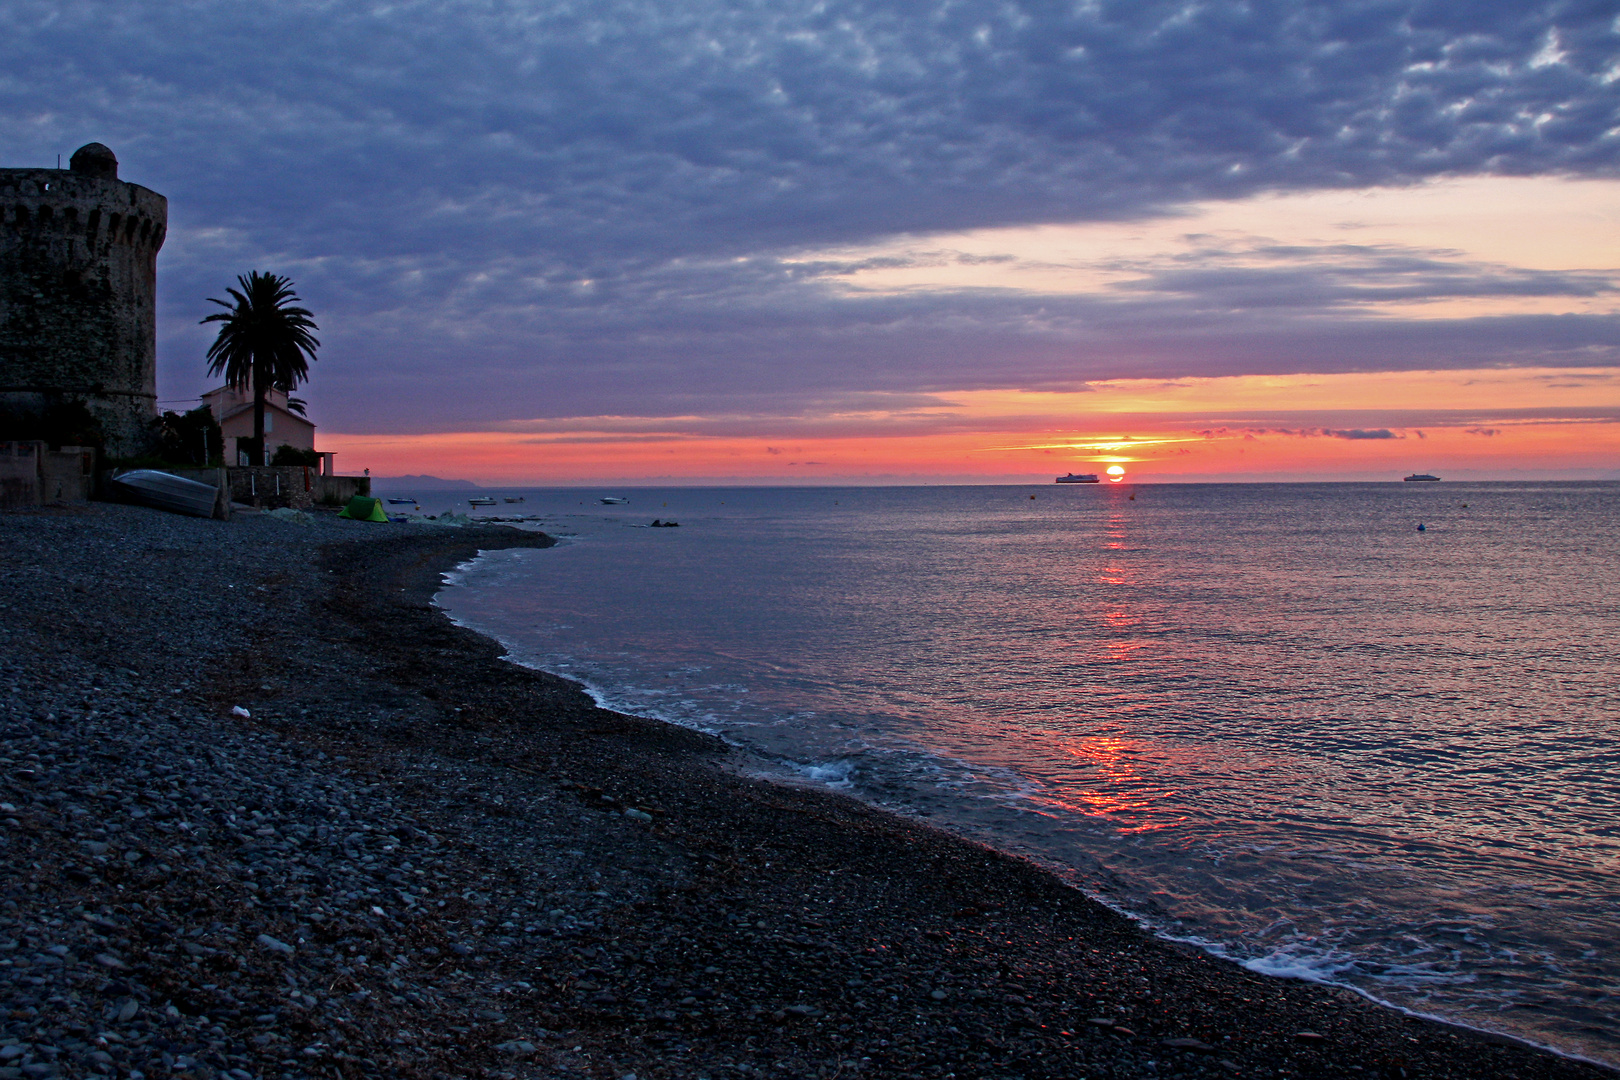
<point>1422,476</point>
<point>1079,478</point>
<point>482,500</point>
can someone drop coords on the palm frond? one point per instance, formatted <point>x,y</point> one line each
<point>264,341</point>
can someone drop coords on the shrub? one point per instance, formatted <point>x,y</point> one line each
<point>191,438</point>
<point>289,455</point>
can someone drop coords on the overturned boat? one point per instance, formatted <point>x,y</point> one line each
<point>166,491</point>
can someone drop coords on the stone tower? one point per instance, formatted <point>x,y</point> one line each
<point>78,282</point>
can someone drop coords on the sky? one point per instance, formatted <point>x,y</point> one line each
<point>842,241</point>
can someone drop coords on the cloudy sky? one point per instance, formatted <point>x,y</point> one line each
<point>828,240</point>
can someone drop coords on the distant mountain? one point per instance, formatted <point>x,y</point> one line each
<point>426,483</point>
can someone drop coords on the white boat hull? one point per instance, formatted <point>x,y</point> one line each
<point>165,491</point>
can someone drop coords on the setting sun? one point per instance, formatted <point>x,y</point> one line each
<point>1116,473</point>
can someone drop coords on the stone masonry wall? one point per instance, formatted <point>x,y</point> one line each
<point>78,281</point>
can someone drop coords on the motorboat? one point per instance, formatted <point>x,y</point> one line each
<point>402,502</point>
<point>166,491</point>
<point>514,498</point>
<point>612,500</point>
<point>1421,476</point>
<point>1079,478</point>
<point>482,501</point>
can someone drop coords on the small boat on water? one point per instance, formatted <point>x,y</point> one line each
<point>402,502</point>
<point>514,498</point>
<point>612,500</point>
<point>1421,476</point>
<point>166,491</point>
<point>1079,478</point>
<point>482,501</point>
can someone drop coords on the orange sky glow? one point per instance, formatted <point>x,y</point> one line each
<point>1478,424</point>
<point>1491,422</point>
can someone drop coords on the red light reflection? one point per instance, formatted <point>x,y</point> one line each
<point>1112,782</point>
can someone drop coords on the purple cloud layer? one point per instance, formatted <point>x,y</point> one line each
<point>510,209</point>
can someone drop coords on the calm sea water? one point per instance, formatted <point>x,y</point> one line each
<point>1277,720</point>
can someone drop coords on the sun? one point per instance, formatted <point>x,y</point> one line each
<point>1116,473</point>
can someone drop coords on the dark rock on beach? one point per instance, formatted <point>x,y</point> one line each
<point>411,858</point>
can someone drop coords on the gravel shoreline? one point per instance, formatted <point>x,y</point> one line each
<point>413,859</point>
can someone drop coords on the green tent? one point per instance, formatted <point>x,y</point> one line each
<point>361,508</point>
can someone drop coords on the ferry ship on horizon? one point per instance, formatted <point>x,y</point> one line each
<point>1421,476</point>
<point>1079,478</point>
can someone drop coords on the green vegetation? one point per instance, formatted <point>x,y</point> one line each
<point>189,438</point>
<point>291,455</point>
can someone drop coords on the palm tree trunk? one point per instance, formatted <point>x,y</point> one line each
<point>258,417</point>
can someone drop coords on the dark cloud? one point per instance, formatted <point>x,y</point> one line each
<point>1342,275</point>
<point>505,209</point>
<point>1359,433</point>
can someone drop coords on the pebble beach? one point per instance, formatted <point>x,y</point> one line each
<point>265,812</point>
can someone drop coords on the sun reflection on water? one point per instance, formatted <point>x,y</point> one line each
<point>1110,780</point>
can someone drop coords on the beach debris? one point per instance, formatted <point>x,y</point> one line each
<point>1309,1036</point>
<point>237,710</point>
<point>518,1048</point>
<point>275,945</point>
<point>287,513</point>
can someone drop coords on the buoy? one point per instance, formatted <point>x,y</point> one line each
<point>1032,496</point>
<point>1421,528</point>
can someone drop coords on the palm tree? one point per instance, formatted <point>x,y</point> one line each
<point>263,342</point>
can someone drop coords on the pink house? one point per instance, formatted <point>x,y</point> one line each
<point>233,409</point>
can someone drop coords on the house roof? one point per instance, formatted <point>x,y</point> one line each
<point>269,406</point>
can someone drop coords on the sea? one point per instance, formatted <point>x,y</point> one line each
<point>1363,734</point>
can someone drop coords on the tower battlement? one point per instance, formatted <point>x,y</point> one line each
<point>78,284</point>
